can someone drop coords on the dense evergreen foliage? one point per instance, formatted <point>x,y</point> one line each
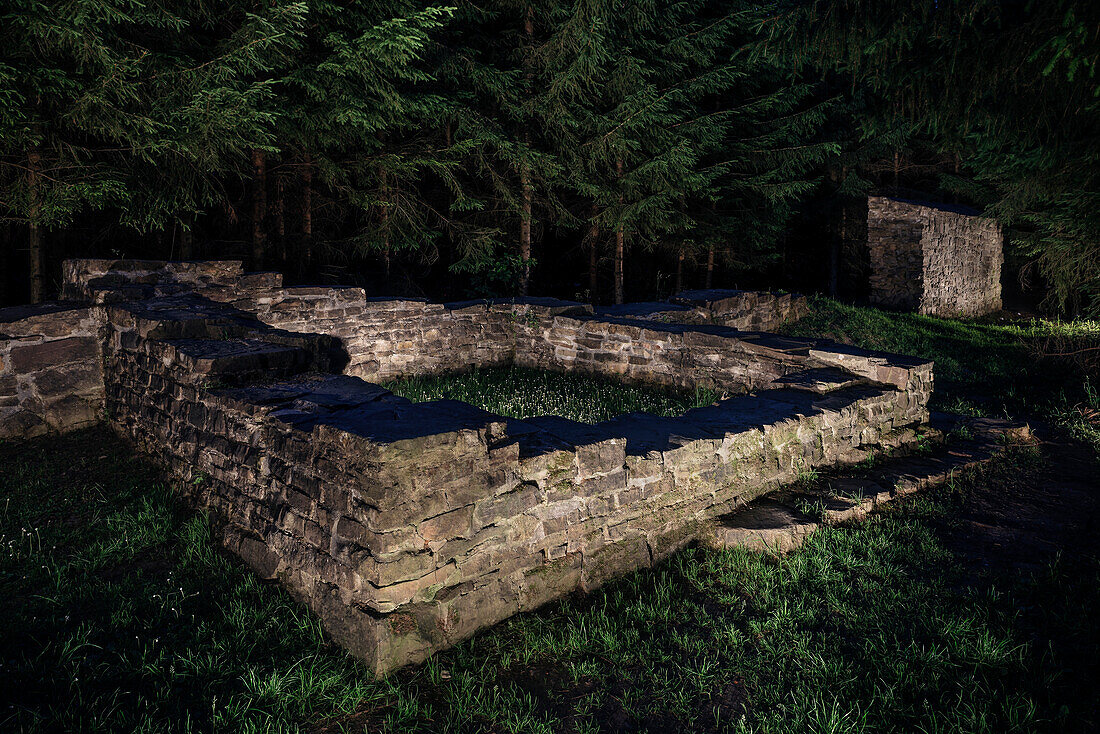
<point>508,146</point>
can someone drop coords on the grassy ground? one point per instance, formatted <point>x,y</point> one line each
<point>985,368</point>
<point>520,392</point>
<point>120,614</point>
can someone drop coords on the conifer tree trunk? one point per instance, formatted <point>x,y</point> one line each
<point>679,284</point>
<point>278,212</point>
<point>307,205</point>
<point>259,207</point>
<point>34,233</point>
<point>710,268</point>
<point>186,248</point>
<point>385,219</point>
<point>834,243</point>
<point>525,183</point>
<point>525,230</point>
<point>593,254</point>
<point>620,244</point>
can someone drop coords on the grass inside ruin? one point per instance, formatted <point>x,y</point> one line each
<point>519,392</point>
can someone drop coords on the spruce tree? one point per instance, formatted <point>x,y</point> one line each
<point>1006,92</point>
<point>128,106</point>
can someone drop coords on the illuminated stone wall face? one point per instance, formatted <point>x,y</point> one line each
<point>51,378</point>
<point>932,260</point>
<point>408,526</point>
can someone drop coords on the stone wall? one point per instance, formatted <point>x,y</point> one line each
<point>50,372</point>
<point>408,526</point>
<point>742,310</point>
<point>390,338</point>
<point>934,260</point>
<point>104,280</point>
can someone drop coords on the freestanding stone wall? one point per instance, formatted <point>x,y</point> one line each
<point>408,526</point>
<point>935,260</point>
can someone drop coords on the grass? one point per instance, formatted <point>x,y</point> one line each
<point>519,392</point>
<point>982,368</point>
<point>120,613</point>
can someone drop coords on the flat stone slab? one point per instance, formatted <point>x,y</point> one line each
<point>819,380</point>
<point>781,521</point>
<point>765,525</point>
<point>240,358</point>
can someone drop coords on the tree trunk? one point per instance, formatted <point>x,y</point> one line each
<point>278,211</point>
<point>525,183</point>
<point>710,268</point>
<point>259,207</point>
<point>679,284</point>
<point>34,233</point>
<point>525,230</point>
<point>834,266</point>
<point>593,255</point>
<point>385,219</point>
<point>620,244</point>
<point>186,246</point>
<point>307,206</point>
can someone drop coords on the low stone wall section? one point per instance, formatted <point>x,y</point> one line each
<point>390,338</point>
<point>51,376</point>
<point>106,280</point>
<point>742,310</point>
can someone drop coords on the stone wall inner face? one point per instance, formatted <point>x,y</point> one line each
<point>408,526</point>
<point>933,260</point>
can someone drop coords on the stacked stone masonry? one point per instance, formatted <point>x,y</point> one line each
<point>932,259</point>
<point>409,526</point>
<point>50,373</point>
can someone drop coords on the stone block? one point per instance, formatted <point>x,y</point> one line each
<point>34,357</point>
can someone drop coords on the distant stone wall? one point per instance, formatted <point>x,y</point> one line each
<point>742,310</point>
<point>933,260</point>
<point>390,338</point>
<point>50,372</point>
<point>106,280</point>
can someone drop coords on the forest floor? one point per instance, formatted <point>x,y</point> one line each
<point>970,608</point>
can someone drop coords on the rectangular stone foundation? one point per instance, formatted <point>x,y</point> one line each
<point>409,526</point>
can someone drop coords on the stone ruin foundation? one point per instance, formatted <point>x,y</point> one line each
<point>409,526</point>
<point>933,259</point>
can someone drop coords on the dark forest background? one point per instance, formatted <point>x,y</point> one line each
<point>603,150</point>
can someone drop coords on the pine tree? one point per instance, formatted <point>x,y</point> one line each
<point>682,141</point>
<point>359,120</point>
<point>128,106</point>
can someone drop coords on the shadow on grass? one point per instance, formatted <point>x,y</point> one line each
<point>121,615</point>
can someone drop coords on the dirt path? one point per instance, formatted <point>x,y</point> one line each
<point>1023,525</point>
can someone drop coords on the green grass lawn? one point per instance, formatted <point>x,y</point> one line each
<point>989,368</point>
<point>121,614</point>
<point>520,392</point>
